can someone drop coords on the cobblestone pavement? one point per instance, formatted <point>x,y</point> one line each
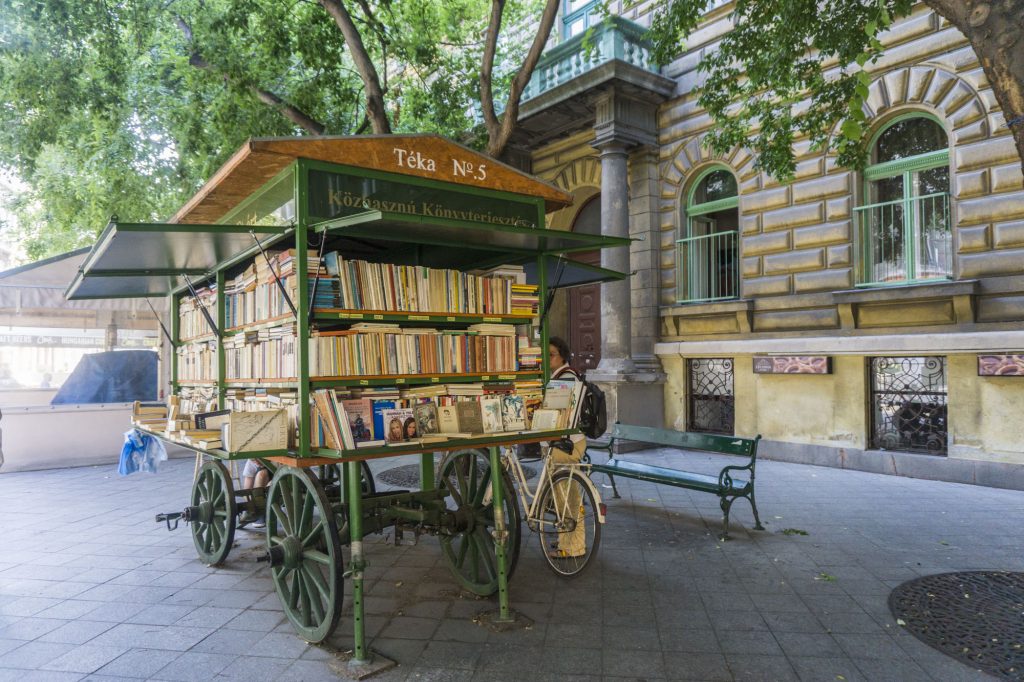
<point>92,588</point>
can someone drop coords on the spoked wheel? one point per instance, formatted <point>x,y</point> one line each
<point>330,476</point>
<point>212,513</point>
<point>468,545</point>
<point>569,531</point>
<point>304,553</point>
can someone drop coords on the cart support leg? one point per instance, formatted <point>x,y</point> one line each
<point>355,524</point>
<point>427,471</point>
<point>500,537</point>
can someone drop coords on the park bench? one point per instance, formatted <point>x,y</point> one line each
<point>725,485</point>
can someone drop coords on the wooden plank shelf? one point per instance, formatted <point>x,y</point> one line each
<point>332,314</point>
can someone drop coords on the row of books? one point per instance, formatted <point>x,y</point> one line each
<point>191,321</point>
<point>197,361</point>
<point>390,350</point>
<point>410,288</point>
<point>270,354</point>
<point>349,423</point>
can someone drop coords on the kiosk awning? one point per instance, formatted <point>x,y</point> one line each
<point>562,273</point>
<point>518,243</point>
<point>152,259</point>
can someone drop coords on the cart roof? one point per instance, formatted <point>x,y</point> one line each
<point>425,156</point>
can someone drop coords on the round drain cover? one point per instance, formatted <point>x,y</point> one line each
<point>976,617</point>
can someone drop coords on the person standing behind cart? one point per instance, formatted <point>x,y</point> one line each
<point>574,542</point>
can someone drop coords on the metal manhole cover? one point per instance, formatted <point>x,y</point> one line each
<point>408,475</point>
<point>976,617</point>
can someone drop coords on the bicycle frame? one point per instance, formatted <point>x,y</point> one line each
<point>531,498</point>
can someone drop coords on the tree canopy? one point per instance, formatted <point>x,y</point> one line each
<point>127,106</point>
<point>765,85</point>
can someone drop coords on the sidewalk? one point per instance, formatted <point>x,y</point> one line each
<point>92,588</point>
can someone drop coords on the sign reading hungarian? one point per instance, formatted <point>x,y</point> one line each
<point>793,364</point>
<point>336,195</point>
<point>1005,365</point>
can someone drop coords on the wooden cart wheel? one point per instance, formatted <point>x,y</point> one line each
<point>304,553</point>
<point>330,475</point>
<point>212,515</point>
<point>468,545</point>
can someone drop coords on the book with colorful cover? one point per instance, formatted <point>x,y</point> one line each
<point>513,412</point>
<point>426,419</point>
<point>490,409</point>
<point>360,418</point>
<point>399,424</point>
<point>378,416</point>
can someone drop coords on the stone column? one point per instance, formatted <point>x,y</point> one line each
<point>625,132</point>
<point>645,258</point>
<point>615,296</point>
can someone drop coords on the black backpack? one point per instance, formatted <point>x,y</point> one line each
<point>593,420</point>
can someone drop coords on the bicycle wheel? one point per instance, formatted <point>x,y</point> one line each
<point>568,540</point>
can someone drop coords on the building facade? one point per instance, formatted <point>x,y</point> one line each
<point>869,319</point>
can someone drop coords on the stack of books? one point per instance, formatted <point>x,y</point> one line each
<point>255,296</point>
<point>197,361</point>
<point>191,321</point>
<point>263,354</point>
<point>408,288</point>
<point>389,351</point>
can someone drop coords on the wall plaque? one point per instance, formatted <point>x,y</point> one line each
<point>793,364</point>
<point>1005,365</point>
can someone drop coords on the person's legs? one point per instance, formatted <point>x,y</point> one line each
<point>574,542</point>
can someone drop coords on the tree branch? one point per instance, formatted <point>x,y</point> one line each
<point>487,69</point>
<point>496,143</point>
<point>289,111</point>
<point>367,71</point>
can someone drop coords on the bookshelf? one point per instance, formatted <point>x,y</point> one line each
<point>380,268</point>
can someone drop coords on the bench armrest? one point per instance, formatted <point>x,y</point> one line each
<point>725,479</point>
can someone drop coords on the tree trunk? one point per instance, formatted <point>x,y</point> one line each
<point>996,31</point>
<point>496,142</point>
<point>367,71</point>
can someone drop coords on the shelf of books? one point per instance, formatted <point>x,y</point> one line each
<point>449,354</point>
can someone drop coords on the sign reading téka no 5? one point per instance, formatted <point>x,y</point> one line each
<point>334,195</point>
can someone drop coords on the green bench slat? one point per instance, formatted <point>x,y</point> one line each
<point>688,440</point>
<point>656,474</point>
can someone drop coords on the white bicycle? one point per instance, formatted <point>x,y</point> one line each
<point>564,509</point>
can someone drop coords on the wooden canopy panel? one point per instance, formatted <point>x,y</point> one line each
<point>424,156</point>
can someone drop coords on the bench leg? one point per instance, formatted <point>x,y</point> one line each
<point>615,490</point>
<point>725,503</point>
<point>753,506</point>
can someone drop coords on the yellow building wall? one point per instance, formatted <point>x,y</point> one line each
<point>985,413</point>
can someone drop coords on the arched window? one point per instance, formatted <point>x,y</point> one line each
<point>904,226</point>
<point>706,262</point>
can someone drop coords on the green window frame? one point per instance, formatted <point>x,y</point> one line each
<point>906,240</point>
<point>707,259</point>
<point>583,16</point>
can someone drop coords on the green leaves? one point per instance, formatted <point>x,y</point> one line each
<point>766,85</point>
<point>128,106</point>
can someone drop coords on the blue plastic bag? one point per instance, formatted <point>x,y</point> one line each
<point>141,452</point>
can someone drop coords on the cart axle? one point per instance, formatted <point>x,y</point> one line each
<point>188,514</point>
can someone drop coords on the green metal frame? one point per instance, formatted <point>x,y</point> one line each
<point>905,167</point>
<point>693,210</point>
<point>299,171</point>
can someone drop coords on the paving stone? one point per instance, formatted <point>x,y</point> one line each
<point>194,667</point>
<point>76,632</point>
<point>700,666</point>
<point>86,658</point>
<point>824,669</point>
<point>763,668</point>
<point>34,655</point>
